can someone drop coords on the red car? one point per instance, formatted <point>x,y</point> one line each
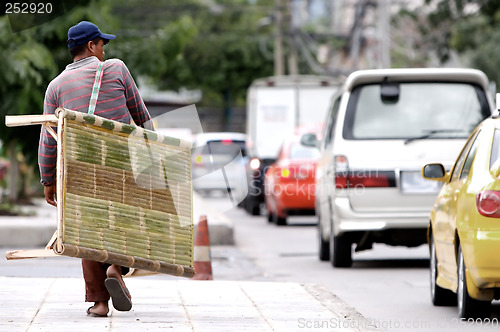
<point>290,182</point>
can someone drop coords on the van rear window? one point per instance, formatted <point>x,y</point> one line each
<point>224,147</point>
<point>420,110</point>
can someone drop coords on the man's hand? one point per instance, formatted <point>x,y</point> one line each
<point>50,194</point>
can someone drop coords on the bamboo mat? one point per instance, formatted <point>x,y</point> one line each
<point>126,195</point>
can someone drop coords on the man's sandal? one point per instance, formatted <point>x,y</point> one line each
<point>93,314</point>
<point>119,294</point>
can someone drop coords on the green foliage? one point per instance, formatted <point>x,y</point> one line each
<point>30,59</point>
<point>163,52</point>
<point>485,57</point>
<point>466,34</point>
<point>468,27</point>
<point>26,67</point>
<point>214,47</point>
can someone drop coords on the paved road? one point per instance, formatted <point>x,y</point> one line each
<point>389,285</point>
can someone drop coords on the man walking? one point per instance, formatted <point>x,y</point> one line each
<point>118,99</point>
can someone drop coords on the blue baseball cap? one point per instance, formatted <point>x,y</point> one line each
<point>84,32</point>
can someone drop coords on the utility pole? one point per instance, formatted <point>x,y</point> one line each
<point>356,32</point>
<point>337,13</point>
<point>384,34</point>
<point>278,40</point>
<point>292,17</point>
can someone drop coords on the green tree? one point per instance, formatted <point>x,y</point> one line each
<point>471,28</point>
<point>208,45</point>
<point>29,59</point>
<point>26,67</point>
<point>213,46</point>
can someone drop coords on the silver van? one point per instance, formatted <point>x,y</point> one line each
<point>383,126</point>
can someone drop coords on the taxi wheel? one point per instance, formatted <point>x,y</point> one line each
<point>254,209</point>
<point>270,214</point>
<point>324,246</point>
<point>252,206</point>
<point>467,306</point>
<point>340,250</point>
<point>440,296</point>
<point>280,221</point>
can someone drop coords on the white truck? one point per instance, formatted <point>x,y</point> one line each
<point>276,106</point>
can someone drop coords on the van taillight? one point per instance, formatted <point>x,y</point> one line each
<point>341,163</point>
<point>341,181</point>
<point>345,178</point>
<point>361,180</point>
<point>488,203</point>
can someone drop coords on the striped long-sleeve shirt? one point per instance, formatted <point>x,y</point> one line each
<point>118,99</point>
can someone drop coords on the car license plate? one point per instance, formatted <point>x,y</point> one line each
<point>414,183</point>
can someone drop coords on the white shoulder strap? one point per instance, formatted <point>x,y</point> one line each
<point>96,87</point>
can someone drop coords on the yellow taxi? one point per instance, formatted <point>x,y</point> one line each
<point>464,231</point>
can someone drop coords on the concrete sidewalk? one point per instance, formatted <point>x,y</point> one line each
<point>164,302</point>
<point>56,304</point>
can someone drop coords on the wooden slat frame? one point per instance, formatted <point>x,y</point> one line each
<point>26,120</point>
<point>56,245</point>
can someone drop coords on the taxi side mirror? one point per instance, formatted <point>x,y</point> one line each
<point>435,172</point>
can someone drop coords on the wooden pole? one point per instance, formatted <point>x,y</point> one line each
<point>61,144</point>
<point>128,261</point>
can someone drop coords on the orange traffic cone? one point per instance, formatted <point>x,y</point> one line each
<point>202,260</point>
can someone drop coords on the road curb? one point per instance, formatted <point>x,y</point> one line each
<point>24,233</point>
<point>220,228</point>
<point>348,317</point>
